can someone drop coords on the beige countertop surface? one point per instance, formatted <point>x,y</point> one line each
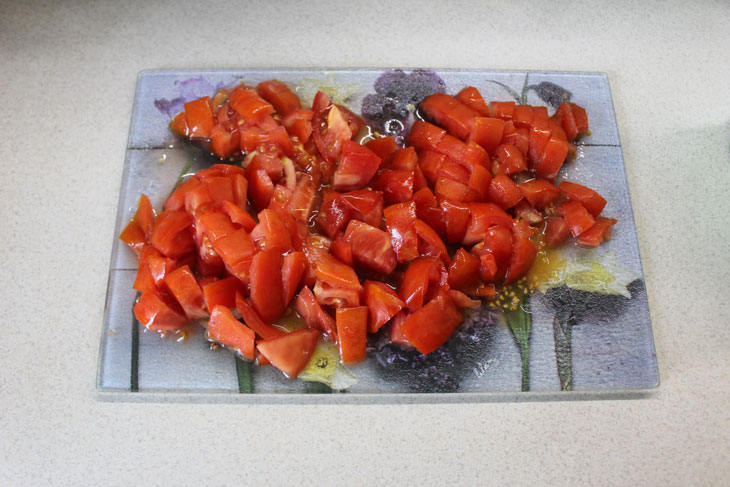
<point>67,78</point>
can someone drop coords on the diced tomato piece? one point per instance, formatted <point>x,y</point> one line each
<point>578,218</point>
<point>484,216</point>
<point>137,233</point>
<point>474,155</point>
<point>527,212</point>
<point>581,119</point>
<point>488,269</point>
<point>404,159</point>
<point>213,223</point>
<point>522,116</point>
<point>430,163</point>
<point>425,136</point>
<point>271,233</point>
<point>334,213</point>
<point>225,329</point>
<point>598,233</point>
<point>539,136</point>
<point>539,192</point>
<point>464,270</point>
<point>301,203</point>
<point>415,281</point>
<point>487,132</point>
<point>471,97</point>
<point>356,168</point>
<point>249,105</point>
<point>433,245</point>
<point>267,293</point>
<point>520,138</point>
<point>199,118</point>
<point>299,124</point>
<point>291,352</point>
<point>400,221</point>
<point>479,182</point>
<point>429,327</point>
<point>159,312</point>
<point>564,114</point>
<point>556,151</point>
<point>198,195</point>
<point>352,328</point>
<point>556,231</point>
<point>382,302</point>
<point>383,147</point>
<point>253,321</point>
<point>456,172</point>
<point>221,291</point>
<point>456,216</point>
<point>261,188</point>
<point>182,284</point>
<point>152,269</point>
<point>176,201</point>
<point>292,269</point>
<point>238,216</point>
<point>502,109</point>
<point>342,249</point>
<point>450,113</point>
<point>330,128</point>
<point>335,273</point>
<point>236,250</point>
<point>172,234</point>
<point>371,247</point>
<point>396,184</point>
<point>448,189</point>
<point>278,94</point>
<point>504,191</point>
<point>523,255</point>
<point>591,200</point>
<point>221,142</point>
<point>314,316</point>
<point>179,125</point>
<point>396,331</point>
<point>498,242</point>
<point>462,300</point>
<point>510,160</point>
<point>452,148</point>
<point>365,205</point>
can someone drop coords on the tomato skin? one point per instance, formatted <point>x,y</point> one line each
<point>598,233</point>
<point>267,293</point>
<point>487,132</point>
<point>182,284</point>
<point>172,234</point>
<point>425,136</point>
<point>291,352</point>
<point>371,247</point>
<point>221,291</point>
<point>356,168</point>
<point>556,151</point>
<point>280,96</point>
<point>590,199</point>
<point>199,118</point>
<point>456,216</point>
<point>450,113</point>
<point>431,326</point>
<point>502,109</point>
<point>249,105</point>
<point>484,216</point>
<point>578,218</point>
<point>400,220</point>
<point>464,270</point>
<point>539,192</point>
<point>159,312</point>
<point>382,302</point>
<point>352,327</point>
<point>471,97</point>
<point>434,246</point>
<point>314,316</point>
<point>488,268</point>
<point>396,184</point>
<point>504,191</point>
<point>225,329</point>
<point>510,160</point>
<point>430,163</point>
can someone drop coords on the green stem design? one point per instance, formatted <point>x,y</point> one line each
<point>562,331</point>
<point>525,89</point>
<point>520,322</point>
<point>509,90</point>
<point>245,379</point>
<point>180,176</point>
<point>134,360</point>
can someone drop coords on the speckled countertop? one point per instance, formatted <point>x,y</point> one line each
<point>68,71</point>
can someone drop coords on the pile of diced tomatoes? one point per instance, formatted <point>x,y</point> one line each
<point>354,237</point>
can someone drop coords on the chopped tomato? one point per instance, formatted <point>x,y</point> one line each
<point>471,97</point>
<point>236,250</point>
<point>314,316</point>
<point>225,329</point>
<point>523,255</point>
<point>137,233</point>
<point>299,124</point>
<point>462,300</point>
<point>396,184</point>
<point>221,291</point>
<point>271,233</point>
<point>352,327</point>
<point>429,327</point>
<point>556,151</point>
<point>484,216</point>
<point>329,128</point>
<point>591,200</point>
<point>334,213</point>
<point>415,281</point>
<point>371,247</point>
<point>365,205</point>
<point>539,192</point>
<point>577,217</point>
<point>487,132</point>
<point>425,136</point>
<point>598,233</point>
<point>356,168</point>
<point>556,231</point>
<point>488,268</point>
<point>342,249</point>
<point>267,294</point>
<point>383,147</point>
<point>249,105</point>
<point>502,109</point>
<point>431,243</point>
<point>291,352</point>
<point>456,217</point>
<point>199,118</point>
<point>179,125</point>
<point>238,216</point>
<point>404,159</point>
<point>510,160</point>
<point>527,212</point>
<point>400,220</point>
<point>382,302</point>
<point>278,94</point>
<point>159,312</point>
<point>301,203</point>
<point>335,273</point>
<point>253,321</point>
<point>504,191</point>
<point>182,284</point>
<point>292,269</point>
<point>450,113</point>
<point>464,270</point>
<point>172,234</point>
